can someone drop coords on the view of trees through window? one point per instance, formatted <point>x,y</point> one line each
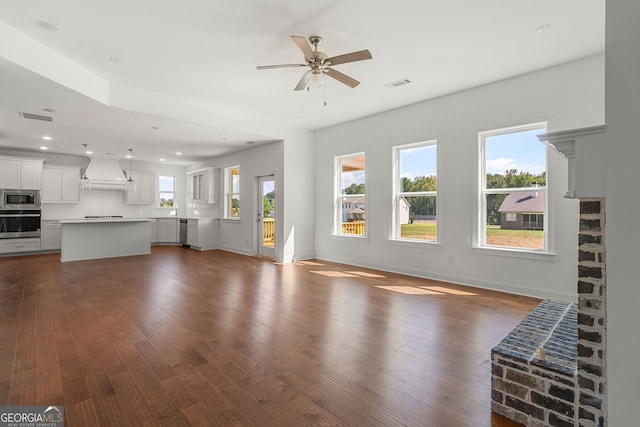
<point>416,196</point>
<point>167,190</point>
<point>514,187</point>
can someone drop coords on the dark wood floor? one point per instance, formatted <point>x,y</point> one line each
<point>182,337</point>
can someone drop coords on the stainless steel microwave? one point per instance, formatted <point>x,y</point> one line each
<point>19,199</point>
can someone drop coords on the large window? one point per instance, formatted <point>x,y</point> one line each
<point>514,203</point>
<point>350,207</point>
<point>416,193</point>
<point>232,192</point>
<point>166,186</point>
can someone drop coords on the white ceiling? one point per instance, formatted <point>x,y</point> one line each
<point>190,67</point>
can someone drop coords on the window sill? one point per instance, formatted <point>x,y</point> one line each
<point>514,253</point>
<point>231,220</point>
<point>353,237</point>
<point>416,243</point>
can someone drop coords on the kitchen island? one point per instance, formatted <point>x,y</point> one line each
<point>104,238</point>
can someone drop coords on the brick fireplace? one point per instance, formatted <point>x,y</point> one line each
<point>551,369</point>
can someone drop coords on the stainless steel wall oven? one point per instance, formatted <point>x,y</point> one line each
<point>20,214</point>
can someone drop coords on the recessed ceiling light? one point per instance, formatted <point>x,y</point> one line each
<point>48,26</point>
<point>178,153</point>
<point>162,160</point>
<point>44,148</point>
<point>46,138</point>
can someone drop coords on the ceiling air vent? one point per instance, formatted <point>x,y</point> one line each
<point>35,117</point>
<point>397,83</point>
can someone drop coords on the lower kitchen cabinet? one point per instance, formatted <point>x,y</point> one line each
<point>50,235</point>
<point>167,230</point>
<point>202,233</point>
<point>19,245</point>
<point>154,230</point>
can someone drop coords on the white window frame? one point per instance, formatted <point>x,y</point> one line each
<point>160,192</point>
<point>229,194</point>
<point>398,194</point>
<point>337,226</point>
<point>481,211</point>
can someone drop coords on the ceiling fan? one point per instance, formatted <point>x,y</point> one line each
<point>319,64</point>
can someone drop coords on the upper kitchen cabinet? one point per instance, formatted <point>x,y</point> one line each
<point>201,185</point>
<point>144,193</point>
<point>21,173</point>
<point>61,184</point>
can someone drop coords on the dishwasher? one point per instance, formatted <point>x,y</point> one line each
<point>183,232</point>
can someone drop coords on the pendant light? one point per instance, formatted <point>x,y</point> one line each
<point>130,185</point>
<point>85,184</point>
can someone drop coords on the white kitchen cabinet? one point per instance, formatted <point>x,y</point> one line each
<point>167,230</point>
<point>61,185</point>
<point>201,186</point>
<point>154,230</point>
<point>202,233</point>
<point>145,187</point>
<point>50,235</point>
<point>20,173</point>
<point>19,245</point>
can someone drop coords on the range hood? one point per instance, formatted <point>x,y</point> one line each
<point>105,174</point>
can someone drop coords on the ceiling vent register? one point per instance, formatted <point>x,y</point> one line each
<point>35,117</point>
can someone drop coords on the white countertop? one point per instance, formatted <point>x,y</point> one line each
<point>95,220</point>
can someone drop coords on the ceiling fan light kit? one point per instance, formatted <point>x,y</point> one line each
<point>319,64</point>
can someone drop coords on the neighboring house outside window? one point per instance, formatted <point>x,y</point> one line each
<point>232,192</point>
<point>166,186</point>
<point>416,192</point>
<point>350,205</point>
<point>513,190</point>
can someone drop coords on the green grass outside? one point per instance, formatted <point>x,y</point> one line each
<point>418,231</point>
<point>495,235</point>
<point>495,230</point>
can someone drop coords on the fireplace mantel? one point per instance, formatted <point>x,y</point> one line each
<point>584,150</point>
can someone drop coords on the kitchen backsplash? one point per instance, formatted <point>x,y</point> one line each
<point>99,202</point>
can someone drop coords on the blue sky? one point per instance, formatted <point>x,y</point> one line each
<point>419,161</point>
<point>166,183</point>
<point>268,187</point>
<point>521,151</point>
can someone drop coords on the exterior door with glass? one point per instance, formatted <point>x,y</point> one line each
<point>267,216</point>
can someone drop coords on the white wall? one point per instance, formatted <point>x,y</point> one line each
<point>567,96</point>
<point>299,207</point>
<point>622,204</point>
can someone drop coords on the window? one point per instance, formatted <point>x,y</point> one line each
<point>416,192</point>
<point>514,205</point>
<point>232,192</point>
<point>350,205</point>
<point>166,185</point>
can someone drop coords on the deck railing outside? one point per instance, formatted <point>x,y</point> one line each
<point>268,231</point>
<point>355,227</point>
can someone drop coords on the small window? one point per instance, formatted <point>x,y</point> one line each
<point>416,192</point>
<point>514,205</point>
<point>166,185</point>
<point>350,205</point>
<point>232,192</point>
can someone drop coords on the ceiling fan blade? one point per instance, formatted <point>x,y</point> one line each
<point>304,46</point>
<point>341,77</point>
<point>303,81</point>
<point>268,67</point>
<point>360,55</point>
